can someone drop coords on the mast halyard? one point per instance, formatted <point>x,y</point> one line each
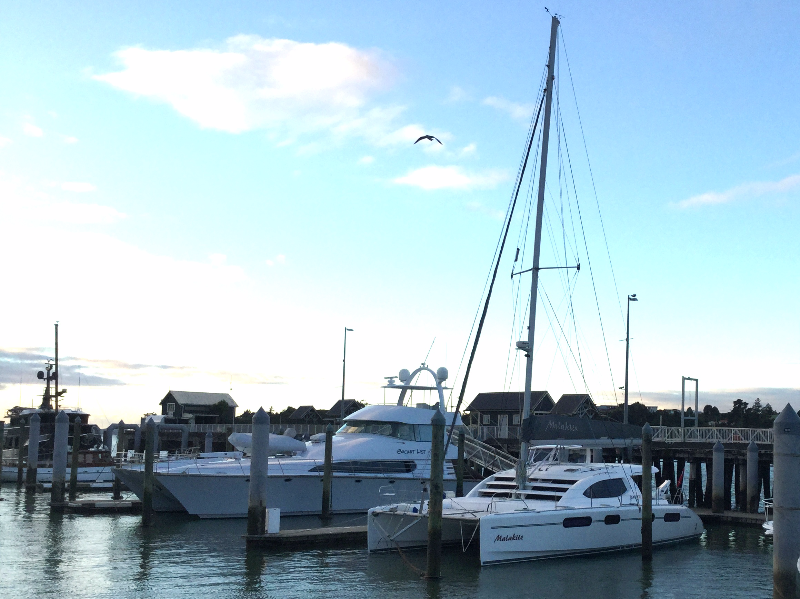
<point>522,470</point>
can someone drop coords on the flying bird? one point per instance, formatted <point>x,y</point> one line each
<point>429,138</point>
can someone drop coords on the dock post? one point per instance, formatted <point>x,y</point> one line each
<point>709,483</point>
<point>434,569</point>
<point>647,493</point>
<point>257,498</point>
<point>763,469</point>
<point>786,516</point>
<point>681,475</point>
<point>76,448</point>
<point>327,474</point>
<point>460,466</point>
<point>729,482</point>
<point>33,453</point>
<point>209,442</point>
<point>149,456</point>
<point>20,457</point>
<point>121,443</point>
<point>2,441</point>
<point>60,441</point>
<point>718,479</point>
<point>753,494</point>
<point>741,483</point>
<point>700,500</point>
<point>692,482</point>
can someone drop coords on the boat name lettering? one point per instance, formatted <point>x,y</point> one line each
<point>503,538</point>
<point>562,426</point>
<point>412,451</point>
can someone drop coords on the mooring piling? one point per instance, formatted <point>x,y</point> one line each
<point>327,473</point>
<point>33,454</point>
<point>209,442</point>
<point>76,447</point>
<point>20,457</point>
<point>692,482</point>
<point>753,494</point>
<point>460,466</point>
<point>149,456</point>
<point>647,493</point>
<point>709,491</point>
<point>121,443</point>
<point>2,441</point>
<point>434,569</point>
<point>60,442</point>
<point>257,499</point>
<point>718,479</point>
<point>786,502</point>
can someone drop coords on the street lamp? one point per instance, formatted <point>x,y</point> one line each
<point>631,298</point>
<point>344,367</point>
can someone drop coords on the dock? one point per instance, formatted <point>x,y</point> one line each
<point>729,517</point>
<point>99,506</point>
<point>331,536</point>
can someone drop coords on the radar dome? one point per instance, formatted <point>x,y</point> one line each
<point>441,374</point>
<point>404,376</point>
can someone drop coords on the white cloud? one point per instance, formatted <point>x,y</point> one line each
<point>255,83</point>
<point>68,139</point>
<point>468,150</point>
<point>78,187</point>
<point>519,112</point>
<point>451,177</point>
<point>4,141</point>
<point>32,130</point>
<point>217,259</point>
<point>279,259</point>
<point>457,94</point>
<point>366,160</point>
<point>743,191</point>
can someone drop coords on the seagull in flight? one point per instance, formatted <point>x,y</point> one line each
<point>429,138</point>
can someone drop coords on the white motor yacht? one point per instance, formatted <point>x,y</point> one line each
<point>571,506</point>
<point>381,454</point>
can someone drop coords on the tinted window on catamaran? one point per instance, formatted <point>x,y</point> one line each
<point>612,487</point>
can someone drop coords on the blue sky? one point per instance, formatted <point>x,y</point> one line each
<point>205,195</point>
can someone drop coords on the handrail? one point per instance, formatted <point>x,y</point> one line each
<point>676,434</point>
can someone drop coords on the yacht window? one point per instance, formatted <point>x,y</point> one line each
<point>602,489</point>
<point>398,430</point>
<point>576,522</point>
<point>612,519</point>
<point>672,517</point>
<point>425,432</point>
<point>370,466</point>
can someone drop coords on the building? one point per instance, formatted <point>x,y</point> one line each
<point>503,409</point>
<point>196,407</point>
<point>335,413</point>
<point>575,404</point>
<point>306,415</point>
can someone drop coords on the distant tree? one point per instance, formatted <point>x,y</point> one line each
<point>220,408</point>
<point>736,417</point>
<point>245,417</point>
<point>710,414</point>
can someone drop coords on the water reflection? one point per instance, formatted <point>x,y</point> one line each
<point>254,564</point>
<point>647,579</point>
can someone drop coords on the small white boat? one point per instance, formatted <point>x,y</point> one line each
<point>767,525</point>
<point>571,506</point>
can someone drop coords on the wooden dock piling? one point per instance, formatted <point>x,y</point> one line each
<point>21,458</point>
<point>2,441</point>
<point>647,493</point>
<point>257,498</point>
<point>434,569</point>
<point>76,447</point>
<point>149,456</point>
<point>786,519</point>
<point>718,480</point>
<point>60,442</point>
<point>752,478</point>
<point>327,474</point>
<point>33,454</point>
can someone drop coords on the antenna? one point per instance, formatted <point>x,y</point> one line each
<point>429,351</point>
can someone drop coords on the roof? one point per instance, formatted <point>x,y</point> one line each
<point>301,412</point>
<point>199,398</point>
<point>570,403</point>
<point>349,404</point>
<point>508,401</point>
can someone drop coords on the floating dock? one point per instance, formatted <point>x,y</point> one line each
<point>99,506</point>
<point>332,535</point>
<point>729,517</point>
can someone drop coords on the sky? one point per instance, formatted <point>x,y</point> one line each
<point>204,195</point>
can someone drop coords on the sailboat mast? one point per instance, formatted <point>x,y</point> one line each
<point>522,474</point>
<point>56,369</point>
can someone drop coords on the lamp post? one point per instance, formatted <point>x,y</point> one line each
<point>631,298</point>
<point>344,368</point>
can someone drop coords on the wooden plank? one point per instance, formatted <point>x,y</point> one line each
<point>332,535</point>
<point>729,517</point>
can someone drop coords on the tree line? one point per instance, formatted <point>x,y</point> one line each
<point>741,415</point>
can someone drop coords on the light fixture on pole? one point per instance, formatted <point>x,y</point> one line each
<point>344,367</point>
<point>631,298</point>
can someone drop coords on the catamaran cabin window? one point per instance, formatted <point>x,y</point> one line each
<point>603,489</point>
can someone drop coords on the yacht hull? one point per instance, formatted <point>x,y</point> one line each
<point>226,496</point>
<point>94,476</point>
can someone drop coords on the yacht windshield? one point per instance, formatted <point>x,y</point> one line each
<point>398,430</point>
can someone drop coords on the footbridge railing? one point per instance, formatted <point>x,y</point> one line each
<point>487,456</point>
<point>676,434</point>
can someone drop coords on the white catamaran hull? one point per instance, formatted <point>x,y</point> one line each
<point>95,476</point>
<point>520,536</point>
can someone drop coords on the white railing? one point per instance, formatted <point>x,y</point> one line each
<point>483,433</point>
<point>300,429</point>
<point>676,434</point>
<point>487,456</point>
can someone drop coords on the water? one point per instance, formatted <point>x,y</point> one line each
<point>68,555</point>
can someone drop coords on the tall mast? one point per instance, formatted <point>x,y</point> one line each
<point>522,471</point>
<point>55,375</point>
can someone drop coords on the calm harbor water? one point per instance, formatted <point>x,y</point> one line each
<point>113,556</point>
